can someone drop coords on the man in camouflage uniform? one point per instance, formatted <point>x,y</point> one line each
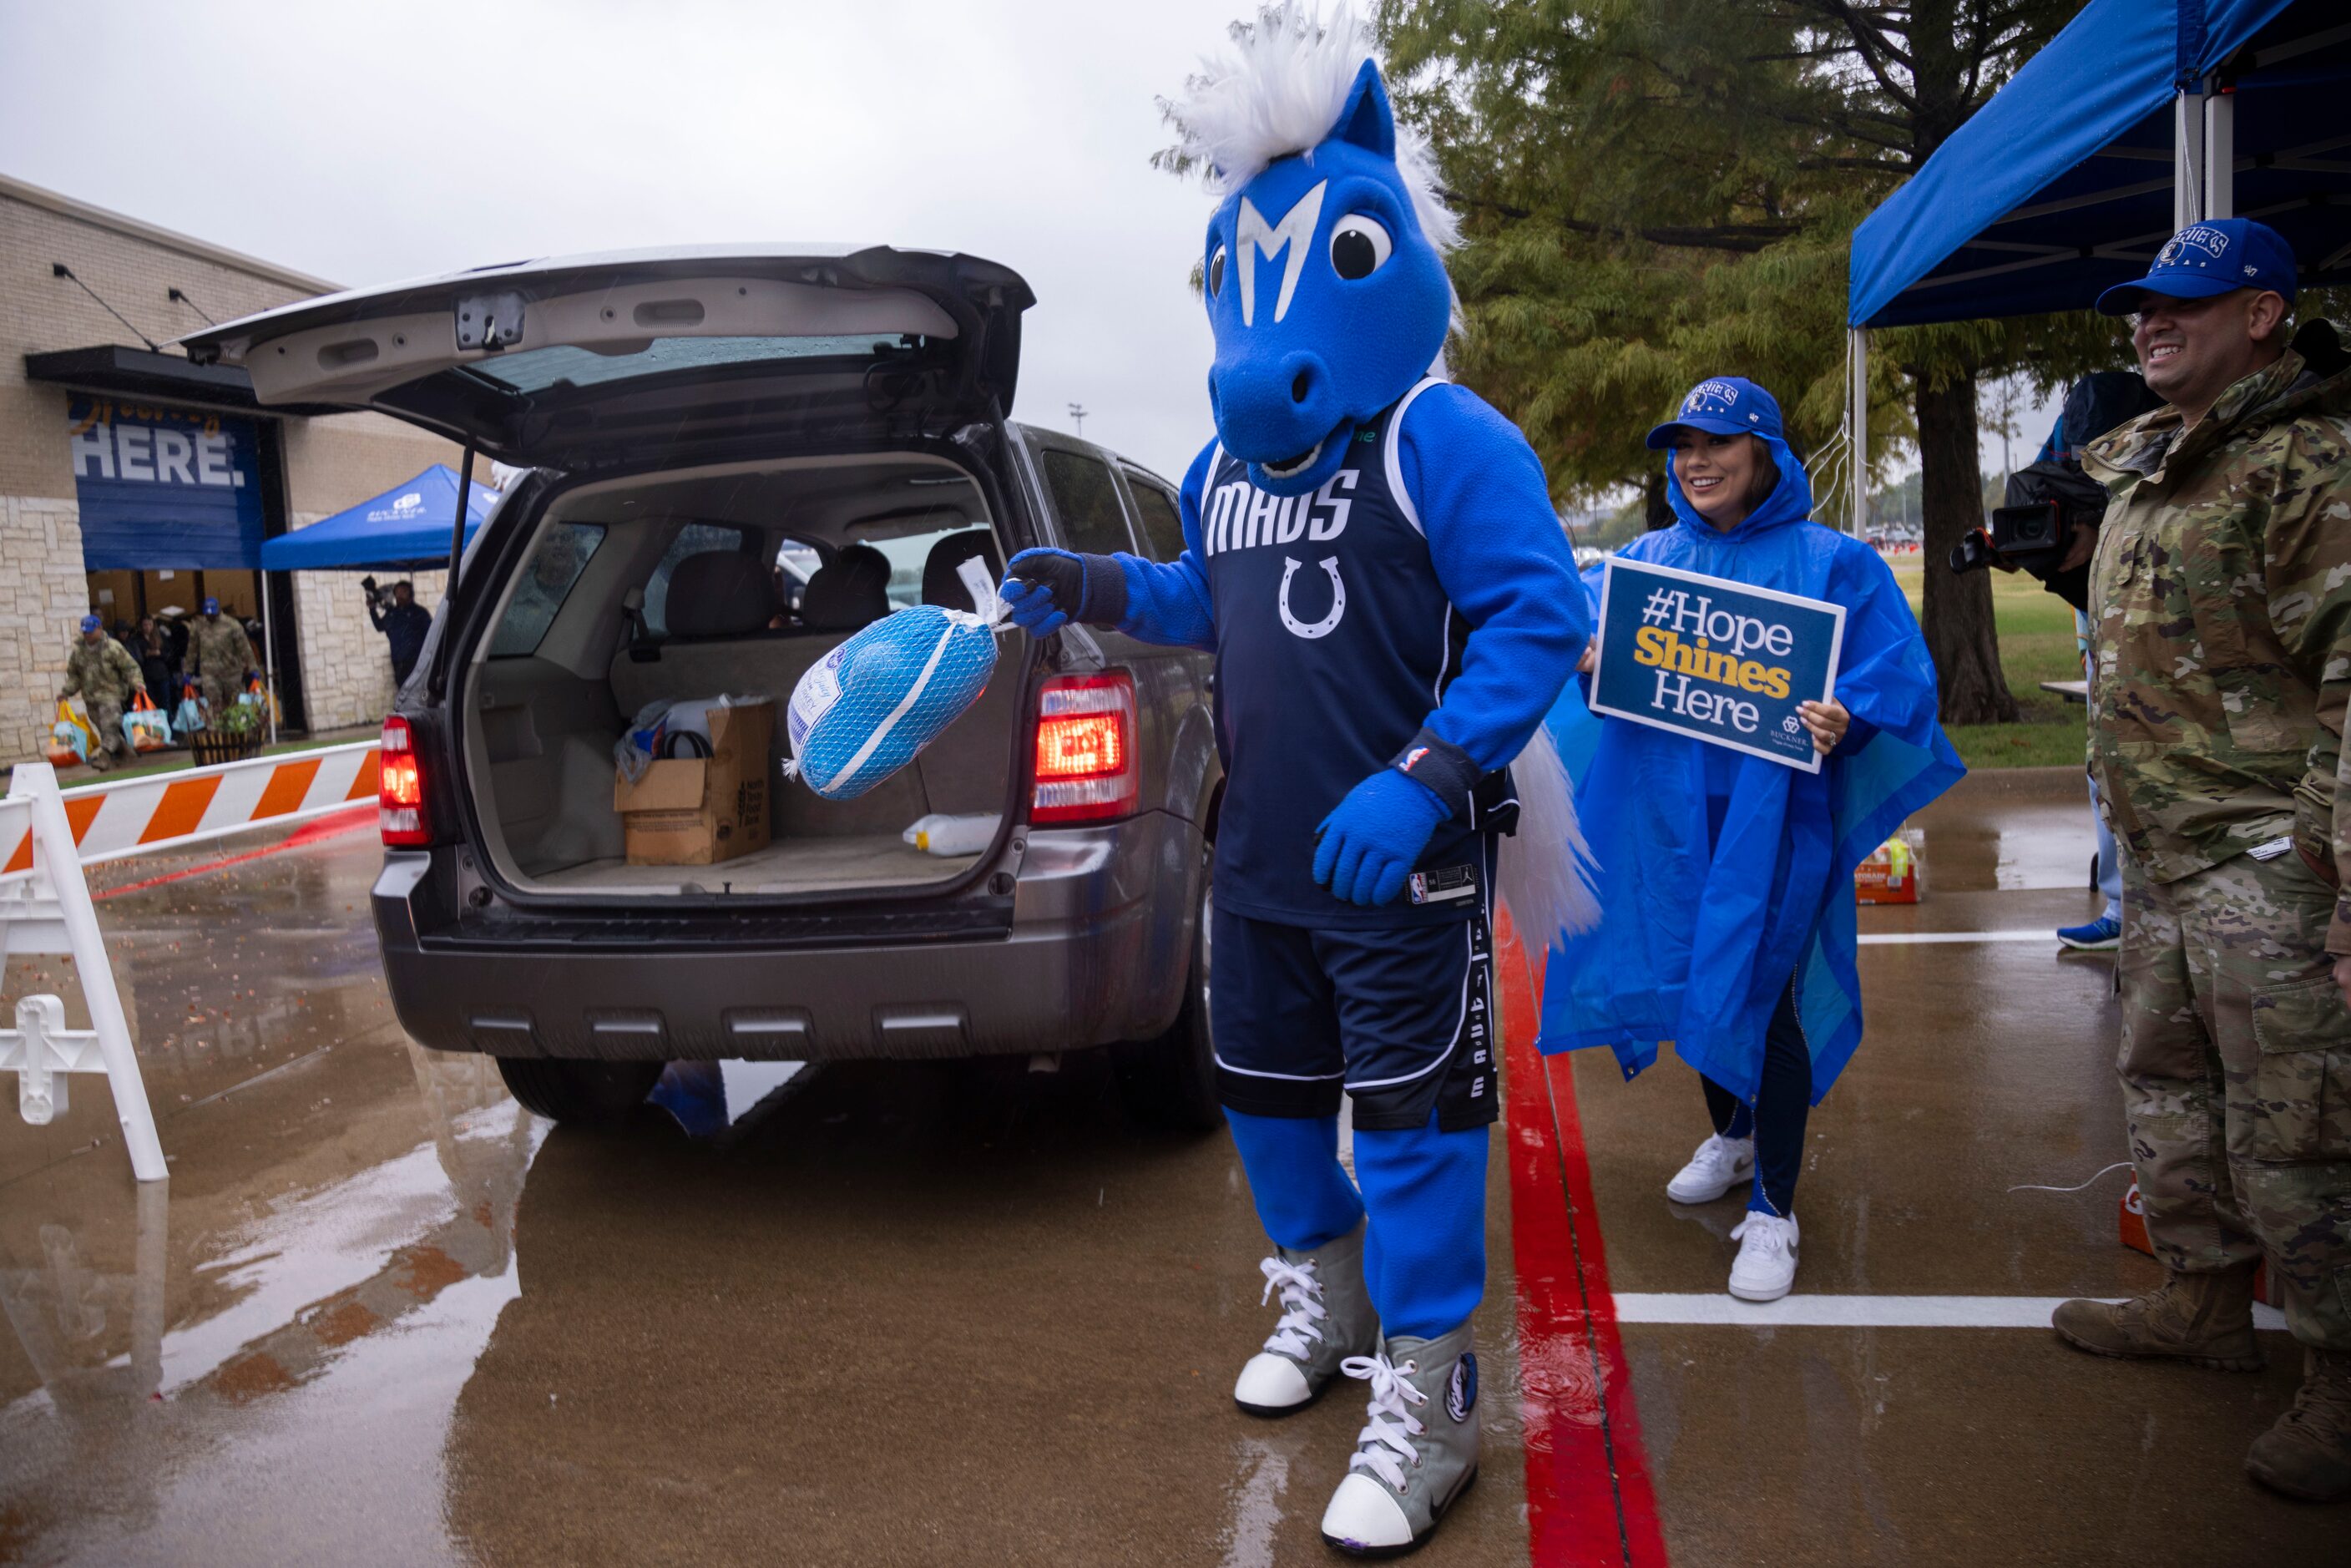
<point>2222,665</point>
<point>102,673</point>
<point>220,656</point>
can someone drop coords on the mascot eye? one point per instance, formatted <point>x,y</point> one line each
<point>1358,246</point>
<point>1216,271</point>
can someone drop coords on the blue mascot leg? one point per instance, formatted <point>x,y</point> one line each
<point>1424,1258</point>
<point>1303,1196</point>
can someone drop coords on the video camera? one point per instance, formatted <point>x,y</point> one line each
<point>2032,530</point>
<point>378,597</point>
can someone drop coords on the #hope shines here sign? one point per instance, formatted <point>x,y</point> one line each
<point>1720,660</point>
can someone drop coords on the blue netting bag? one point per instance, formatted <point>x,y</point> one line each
<point>865,709</point>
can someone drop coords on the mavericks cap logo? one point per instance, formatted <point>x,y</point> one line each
<point>1710,397</point>
<point>2202,238</point>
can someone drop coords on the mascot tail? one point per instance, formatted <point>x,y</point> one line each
<point>1546,871</point>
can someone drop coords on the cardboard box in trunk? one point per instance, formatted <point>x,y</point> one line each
<point>700,810</point>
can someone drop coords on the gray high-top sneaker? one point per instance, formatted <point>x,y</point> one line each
<point>1419,1453</point>
<point>1326,1317</point>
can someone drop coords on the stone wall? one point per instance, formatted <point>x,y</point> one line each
<point>42,597</point>
<point>346,662</point>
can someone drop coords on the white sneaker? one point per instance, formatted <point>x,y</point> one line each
<point>1765,1269</point>
<point>1719,1164</point>
<point>1326,1317</point>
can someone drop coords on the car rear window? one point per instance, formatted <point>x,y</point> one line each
<point>1163,525</point>
<point>554,566</point>
<point>1085,500</point>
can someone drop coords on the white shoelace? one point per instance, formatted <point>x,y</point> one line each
<point>1301,1302</point>
<point>1771,1237</point>
<point>1385,1448</point>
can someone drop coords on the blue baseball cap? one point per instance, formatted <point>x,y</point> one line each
<point>1724,405</point>
<point>91,623</point>
<point>2210,259</point>
<point>212,606</point>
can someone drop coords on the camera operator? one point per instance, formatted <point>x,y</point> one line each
<point>2220,588</point>
<point>401,619</point>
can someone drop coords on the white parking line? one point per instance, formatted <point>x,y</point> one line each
<point>1861,1311</point>
<point>1903,938</point>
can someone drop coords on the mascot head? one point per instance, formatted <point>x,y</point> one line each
<point>1323,268</point>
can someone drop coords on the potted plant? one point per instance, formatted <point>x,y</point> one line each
<point>233,733</point>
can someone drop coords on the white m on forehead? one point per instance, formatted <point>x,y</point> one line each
<point>1253,237</point>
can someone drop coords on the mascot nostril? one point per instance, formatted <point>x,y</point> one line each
<point>1372,554</point>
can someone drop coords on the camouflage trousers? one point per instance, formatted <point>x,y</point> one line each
<point>2236,1073</point>
<point>112,747</point>
<point>220,693</point>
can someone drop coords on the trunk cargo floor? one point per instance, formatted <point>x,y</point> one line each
<point>786,865</point>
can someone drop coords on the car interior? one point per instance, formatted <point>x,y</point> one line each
<point>727,580</point>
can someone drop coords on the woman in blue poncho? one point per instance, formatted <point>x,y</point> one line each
<point>1726,880</point>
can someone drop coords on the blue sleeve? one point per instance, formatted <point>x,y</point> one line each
<point>1884,676</point>
<point>1169,604</point>
<point>1504,561</point>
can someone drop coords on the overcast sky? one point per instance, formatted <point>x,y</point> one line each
<point>368,142</point>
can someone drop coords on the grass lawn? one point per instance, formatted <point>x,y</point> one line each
<point>2036,644</point>
<point>177,759</point>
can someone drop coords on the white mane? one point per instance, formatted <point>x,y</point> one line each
<point>1277,92</point>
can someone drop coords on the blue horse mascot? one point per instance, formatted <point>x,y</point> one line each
<point>1372,553</point>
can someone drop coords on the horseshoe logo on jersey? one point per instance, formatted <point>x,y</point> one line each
<point>1329,623</point>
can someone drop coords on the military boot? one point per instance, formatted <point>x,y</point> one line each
<point>1419,1453</point>
<point>2307,1454</point>
<point>2204,1319</point>
<point>1326,1317</point>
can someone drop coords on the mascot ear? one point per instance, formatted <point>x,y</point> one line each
<point>1367,121</point>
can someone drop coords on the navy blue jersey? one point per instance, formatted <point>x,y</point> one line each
<point>1335,641</point>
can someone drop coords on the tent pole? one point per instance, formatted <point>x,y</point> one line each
<point>2187,194</point>
<point>269,660</point>
<point>2221,156</point>
<point>1856,395</point>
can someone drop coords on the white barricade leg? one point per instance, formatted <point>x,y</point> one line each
<point>40,1048</point>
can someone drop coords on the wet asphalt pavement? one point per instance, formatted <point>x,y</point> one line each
<point>946,1315</point>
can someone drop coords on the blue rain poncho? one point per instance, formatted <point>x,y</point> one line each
<point>1720,875</point>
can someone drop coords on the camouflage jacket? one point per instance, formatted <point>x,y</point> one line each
<point>102,673</point>
<point>218,648</point>
<point>2221,655</point>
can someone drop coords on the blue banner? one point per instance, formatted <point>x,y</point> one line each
<point>1715,660</point>
<point>164,487</point>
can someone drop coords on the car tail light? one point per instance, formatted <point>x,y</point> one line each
<point>1086,770</point>
<point>400,790</point>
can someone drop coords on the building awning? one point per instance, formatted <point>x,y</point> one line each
<point>2062,184</point>
<point>142,374</point>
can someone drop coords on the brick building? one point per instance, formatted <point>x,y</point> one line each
<point>133,482</point>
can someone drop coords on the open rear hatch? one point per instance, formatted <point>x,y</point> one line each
<point>783,406</point>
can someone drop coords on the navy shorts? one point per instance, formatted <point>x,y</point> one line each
<point>1401,1017</point>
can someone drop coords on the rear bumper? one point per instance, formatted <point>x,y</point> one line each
<point>1099,944</point>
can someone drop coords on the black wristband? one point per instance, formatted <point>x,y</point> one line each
<point>1444,767</point>
<point>1105,601</point>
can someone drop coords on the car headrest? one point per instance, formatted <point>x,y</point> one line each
<point>719,593</point>
<point>850,590</point>
<point>941,586</point>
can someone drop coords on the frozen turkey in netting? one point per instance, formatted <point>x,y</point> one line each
<point>864,710</point>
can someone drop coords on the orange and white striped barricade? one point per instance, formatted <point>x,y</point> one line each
<point>46,908</point>
<point>166,811</point>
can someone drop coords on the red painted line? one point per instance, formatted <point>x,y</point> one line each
<point>1589,1497</point>
<point>331,826</point>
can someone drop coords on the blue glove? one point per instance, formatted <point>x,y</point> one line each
<point>1365,849</point>
<point>1046,589</point>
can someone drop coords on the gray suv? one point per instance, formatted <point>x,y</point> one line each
<point>738,457</point>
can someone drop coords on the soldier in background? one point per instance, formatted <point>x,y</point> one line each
<point>220,656</point>
<point>103,676</point>
<point>2221,593</point>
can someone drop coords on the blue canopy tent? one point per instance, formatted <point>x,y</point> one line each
<point>407,526</point>
<point>2138,118</point>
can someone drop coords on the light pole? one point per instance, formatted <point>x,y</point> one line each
<point>1078,416</point>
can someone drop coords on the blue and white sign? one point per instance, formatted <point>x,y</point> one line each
<point>1716,660</point>
<point>164,487</point>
